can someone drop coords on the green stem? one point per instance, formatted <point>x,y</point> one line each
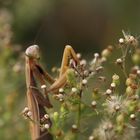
<point>124,54</point>
<point>79,114</point>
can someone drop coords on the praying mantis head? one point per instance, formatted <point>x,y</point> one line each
<point>33,52</point>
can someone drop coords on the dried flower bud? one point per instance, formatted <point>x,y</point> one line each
<point>120,119</point>
<point>130,91</point>
<point>56,116</point>
<point>136,57</point>
<point>107,52</point>
<point>116,79</point>
<point>129,81</point>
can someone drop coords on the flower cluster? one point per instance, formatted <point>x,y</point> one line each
<point>96,99</point>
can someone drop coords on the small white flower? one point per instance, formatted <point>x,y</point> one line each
<point>132,116</point>
<point>46,116</point>
<point>29,113</point>
<point>46,126</point>
<point>115,77</point>
<point>113,85</point>
<point>119,61</point>
<point>84,81</point>
<point>93,103</point>
<point>121,40</point>
<point>138,72</point>
<point>74,90</point>
<point>74,126</point>
<point>108,91</point>
<point>83,62</point>
<point>117,107</point>
<point>43,86</point>
<point>91,138</point>
<point>61,90</point>
<point>61,99</point>
<point>26,109</point>
<point>78,55</point>
<point>96,55</point>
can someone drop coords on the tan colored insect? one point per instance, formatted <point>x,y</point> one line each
<point>35,99</point>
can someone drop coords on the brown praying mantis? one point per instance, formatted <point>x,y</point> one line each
<point>35,99</point>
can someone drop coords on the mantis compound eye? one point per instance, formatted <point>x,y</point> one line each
<point>33,51</point>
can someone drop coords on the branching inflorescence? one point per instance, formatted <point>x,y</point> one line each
<point>89,104</point>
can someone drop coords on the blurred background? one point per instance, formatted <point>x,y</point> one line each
<point>87,25</point>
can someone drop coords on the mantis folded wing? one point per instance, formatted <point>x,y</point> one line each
<point>36,100</point>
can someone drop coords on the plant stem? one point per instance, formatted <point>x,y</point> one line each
<point>124,53</point>
<point>79,114</point>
